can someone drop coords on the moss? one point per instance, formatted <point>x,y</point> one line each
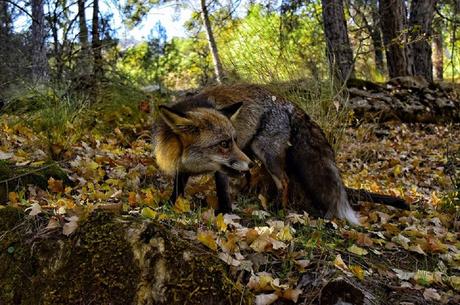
<point>194,275</point>
<point>95,264</point>
<point>107,261</point>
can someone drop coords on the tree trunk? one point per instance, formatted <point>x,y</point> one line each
<point>212,42</point>
<point>394,30</point>
<point>376,37</point>
<point>5,37</point>
<point>339,49</point>
<point>421,17</point>
<point>97,50</point>
<point>84,65</point>
<point>39,60</point>
<point>5,19</point>
<point>438,56</point>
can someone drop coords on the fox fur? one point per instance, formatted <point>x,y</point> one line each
<point>251,120</point>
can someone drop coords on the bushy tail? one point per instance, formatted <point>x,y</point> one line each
<point>312,161</point>
<point>356,195</point>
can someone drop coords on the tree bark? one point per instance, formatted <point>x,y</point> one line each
<point>339,49</point>
<point>5,19</point>
<point>420,21</point>
<point>39,60</point>
<point>376,37</point>
<point>84,65</point>
<point>219,71</point>
<point>97,50</point>
<point>394,30</point>
<point>438,56</point>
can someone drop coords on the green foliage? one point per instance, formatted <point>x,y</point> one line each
<point>256,51</point>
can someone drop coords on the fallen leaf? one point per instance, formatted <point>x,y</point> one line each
<point>13,197</point>
<point>71,226</point>
<point>34,209</point>
<point>285,234</point>
<point>182,205</point>
<point>292,294</point>
<point>340,264</point>
<point>148,212</point>
<point>207,239</point>
<point>55,186</point>
<point>431,294</point>
<point>417,249</point>
<point>220,223</point>
<point>357,250</point>
<point>5,156</point>
<point>403,275</point>
<point>357,271</point>
<point>263,201</point>
<point>53,223</point>
<point>454,281</point>
<point>228,259</point>
<point>266,299</point>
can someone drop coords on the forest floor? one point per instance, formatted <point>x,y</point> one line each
<point>399,257</point>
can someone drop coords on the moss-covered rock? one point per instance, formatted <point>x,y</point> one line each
<point>107,260</point>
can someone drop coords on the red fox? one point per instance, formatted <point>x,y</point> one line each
<point>213,131</point>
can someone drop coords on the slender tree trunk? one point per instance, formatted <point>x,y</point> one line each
<point>84,65</point>
<point>39,60</point>
<point>339,49</point>
<point>212,42</point>
<point>420,22</point>
<point>438,56</point>
<point>5,38</point>
<point>5,19</point>
<point>97,50</point>
<point>376,37</point>
<point>394,30</point>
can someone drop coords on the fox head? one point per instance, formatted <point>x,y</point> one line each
<point>207,140</point>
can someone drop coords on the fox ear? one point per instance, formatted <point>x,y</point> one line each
<point>178,122</point>
<point>232,111</point>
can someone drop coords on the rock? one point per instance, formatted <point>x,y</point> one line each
<point>414,82</point>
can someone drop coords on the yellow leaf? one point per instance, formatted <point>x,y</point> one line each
<point>339,263</point>
<point>221,225</point>
<point>357,271</point>
<point>455,282</point>
<point>292,294</point>
<point>285,234</point>
<point>149,198</point>
<point>207,239</point>
<point>13,197</point>
<point>149,213</point>
<point>397,170</point>
<point>55,186</point>
<point>263,201</point>
<point>182,205</point>
<point>357,250</point>
<point>435,200</point>
<point>132,199</point>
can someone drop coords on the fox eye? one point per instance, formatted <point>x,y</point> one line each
<point>225,144</point>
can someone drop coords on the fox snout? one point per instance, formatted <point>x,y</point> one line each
<point>241,165</point>
<point>240,162</point>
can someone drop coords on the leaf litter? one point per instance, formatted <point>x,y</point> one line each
<point>277,257</point>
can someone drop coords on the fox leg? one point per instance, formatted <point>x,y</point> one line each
<point>180,181</point>
<point>273,158</point>
<point>223,197</point>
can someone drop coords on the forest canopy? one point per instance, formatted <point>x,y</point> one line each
<point>76,45</point>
